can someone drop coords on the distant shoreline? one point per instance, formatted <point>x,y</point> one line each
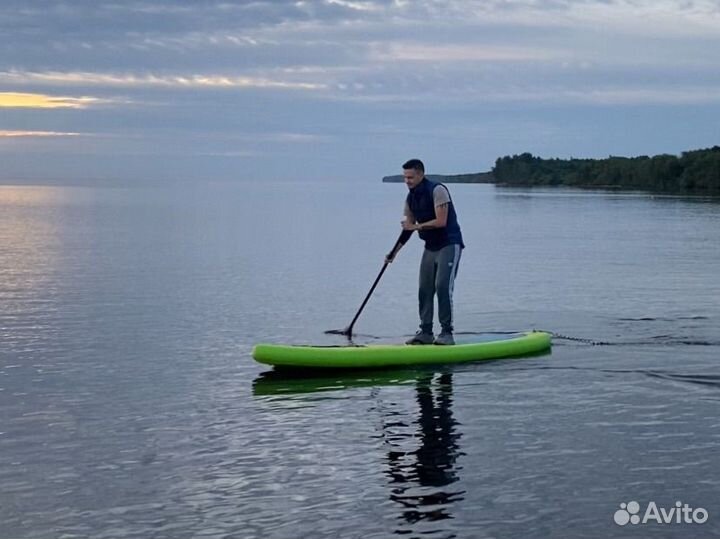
<point>478,177</point>
<point>694,172</point>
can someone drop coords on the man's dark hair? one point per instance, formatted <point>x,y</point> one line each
<point>414,164</point>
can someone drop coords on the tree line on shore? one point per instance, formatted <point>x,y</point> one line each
<point>696,171</point>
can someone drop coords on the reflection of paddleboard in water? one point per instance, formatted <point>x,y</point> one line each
<point>396,355</point>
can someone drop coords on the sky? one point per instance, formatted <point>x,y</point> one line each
<point>347,90</point>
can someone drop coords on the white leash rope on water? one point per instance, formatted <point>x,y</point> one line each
<point>582,340</point>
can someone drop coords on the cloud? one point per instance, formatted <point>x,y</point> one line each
<point>356,6</point>
<point>151,80</point>
<point>683,95</point>
<point>35,134</point>
<point>299,138</point>
<point>563,96</point>
<point>230,153</point>
<point>451,53</point>
<point>43,101</point>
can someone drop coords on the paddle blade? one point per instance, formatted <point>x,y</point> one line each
<point>338,332</point>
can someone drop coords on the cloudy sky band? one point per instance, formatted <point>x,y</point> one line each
<point>335,73</point>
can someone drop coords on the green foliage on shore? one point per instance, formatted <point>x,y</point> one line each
<point>696,172</point>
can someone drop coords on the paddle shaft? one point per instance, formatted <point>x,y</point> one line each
<point>348,330</point>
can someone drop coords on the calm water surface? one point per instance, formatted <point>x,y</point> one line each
<point>130,405</point>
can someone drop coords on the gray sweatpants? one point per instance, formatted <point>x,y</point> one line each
<point>437,276</point>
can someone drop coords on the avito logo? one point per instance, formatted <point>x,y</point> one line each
<point>629,513</point>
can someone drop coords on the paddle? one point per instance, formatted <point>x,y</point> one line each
<point>348,330</point>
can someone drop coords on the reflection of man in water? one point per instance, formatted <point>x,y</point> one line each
<point>433,464</point>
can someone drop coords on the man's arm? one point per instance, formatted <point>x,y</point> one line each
<point>440,221</point>
<point>441,201</point>
<point>404,237</point>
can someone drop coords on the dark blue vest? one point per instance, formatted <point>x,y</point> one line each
<point>421,204</point>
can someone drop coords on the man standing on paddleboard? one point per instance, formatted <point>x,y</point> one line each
<point>430,210</point>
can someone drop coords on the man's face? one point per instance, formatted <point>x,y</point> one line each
<point>412,177</point>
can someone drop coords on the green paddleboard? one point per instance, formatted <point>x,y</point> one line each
<point>397,355</point>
